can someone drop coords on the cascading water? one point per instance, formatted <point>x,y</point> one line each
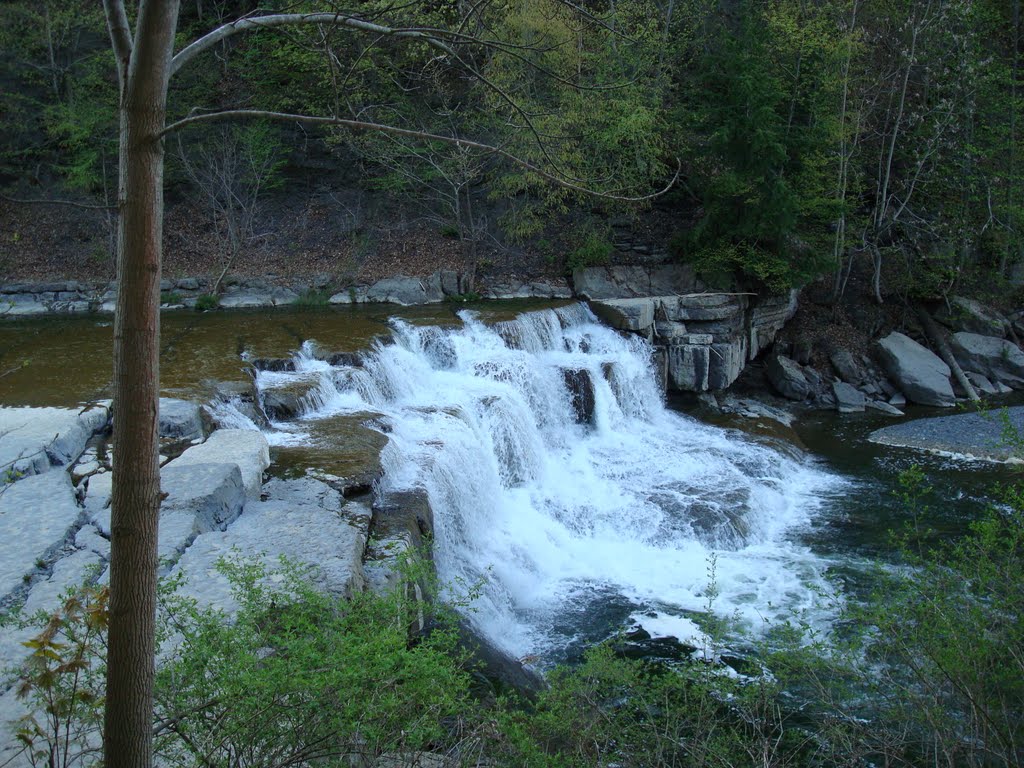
<point>562,484</point>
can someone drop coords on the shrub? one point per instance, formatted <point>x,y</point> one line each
<point>207,301</point>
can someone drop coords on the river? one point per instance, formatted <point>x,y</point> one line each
<point>567,492</point>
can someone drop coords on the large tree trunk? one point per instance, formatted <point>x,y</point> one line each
<point>135,503</point>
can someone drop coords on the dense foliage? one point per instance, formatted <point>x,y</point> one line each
<point>813,134</point>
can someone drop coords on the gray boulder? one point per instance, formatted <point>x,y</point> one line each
<point>180,419</point>
<point>849,399</point>
<point>884,407</point>
<point>919,372</point>
<point>405,291</point>
<point>972,316</point>
<point>999,360</point>
<point>787,377</point>
<point>849,370</point>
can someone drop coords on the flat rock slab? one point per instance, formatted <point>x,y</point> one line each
<point>38,516</point>
<point>245,447</point>
<point>970,434</point>
<point>34,439</point>
<point>345,453</point>
<point>303,520</point>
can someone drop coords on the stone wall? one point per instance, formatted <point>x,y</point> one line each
<point>704,338</point>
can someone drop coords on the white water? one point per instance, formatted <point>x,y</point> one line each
<point>576,528</point>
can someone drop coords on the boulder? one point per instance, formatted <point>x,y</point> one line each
<point>849,399</point>
<point>849,370</point>
<point>245,299</point>
<point>34,439</point>
<point>38,516</point>
<point>246,448</point>
<point>199,498</point>
<point>288,401</point>
<point>965,314</point>
<point>981,383</point>
<point>886,408</point>
<point>180,419</point>
<point>405,291</point>
<point>787,377</point>
<point>995,358</point>
<point>303,520</point>
<point>919,372</point>
<point>626,314</point>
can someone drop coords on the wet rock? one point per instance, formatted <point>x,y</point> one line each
<point>350,359</point>
<point>919,372</point>
<point>996,359</point>
<point>344,452</point>
<point>849,399</point>
<point>288,401</point>
<point>246,448</point>
<point>274,364</point>
<point>581,393</point>
<point>787,377</point>
<point>402,525</point>
<point>180,419</point>
<point>38,516</point>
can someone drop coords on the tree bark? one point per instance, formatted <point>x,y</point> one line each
<point>135,500</point>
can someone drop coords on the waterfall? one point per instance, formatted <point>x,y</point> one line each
<point>564,487</point>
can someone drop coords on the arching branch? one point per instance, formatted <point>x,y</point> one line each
<point>360,125</point>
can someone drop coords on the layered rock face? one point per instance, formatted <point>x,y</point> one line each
<point>706,338</point>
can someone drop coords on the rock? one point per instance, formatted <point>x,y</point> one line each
<point>34,439</point>
<point>847,368</point>
<point>711,306</point>
<point>920,373</point>
<point>288,401</point>
<point>620,282</point>
<point>849,399</point>
<point>246,448</point>
<point>787,377</point>
<point>199,498</point>
<point>981,383</point>
<point>403,522</point>
<point>581,393</point>
<point>38,516</point>
<point>304,520</point>
<point>898,400</point>
<point>245,299</point>
<point>626,314</point>
<point>879,405</point>
<point>977,435</point>
<point>180,419</point>
<point>187,284</point>
<point>1002,388</point>
<point>68,573</point>
<point>726,362</point>
<point>688,366</point>
<point>22,306</point>
<point>997,359</point>
<point>965,314</point>
<point>274,364</point>
<point>449,282</point>
<point>405,291</point>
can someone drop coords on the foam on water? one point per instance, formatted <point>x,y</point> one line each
<point>561,519</point>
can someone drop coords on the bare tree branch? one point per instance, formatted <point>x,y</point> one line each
<point>120,36</point>
<point>359,125</point>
